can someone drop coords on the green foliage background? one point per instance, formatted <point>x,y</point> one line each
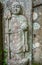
<point>5,57</point>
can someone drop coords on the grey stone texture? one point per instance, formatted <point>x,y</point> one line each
<point>27,12</point>
<point>16,27</point>
<point>38,37</point>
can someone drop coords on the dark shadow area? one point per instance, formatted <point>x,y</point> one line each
<point>1,34</point>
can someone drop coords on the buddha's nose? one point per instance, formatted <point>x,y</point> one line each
<point>16,9</point>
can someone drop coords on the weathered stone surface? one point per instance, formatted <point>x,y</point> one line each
<point>38,38</point>
<point>27,8</point>
<point>37,2</point>
<point>6,26</point>
<point>16,28</point>
<point>13,8</point>
<point>37,54</point>
<point>35,16</point>
<point>36,26</point>
<point>7,13</point>
<point>26,4</point>
<point>17,37</point>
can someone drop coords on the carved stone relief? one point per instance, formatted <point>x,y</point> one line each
<point>16,27</point>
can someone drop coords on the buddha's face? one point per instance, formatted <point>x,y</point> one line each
<point>15,8</point>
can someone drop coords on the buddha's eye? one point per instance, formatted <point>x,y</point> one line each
<point>16,6</point>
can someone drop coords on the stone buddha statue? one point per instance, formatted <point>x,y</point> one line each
<point>18,26</point>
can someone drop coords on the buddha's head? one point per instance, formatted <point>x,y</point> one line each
<point>16,8</point>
